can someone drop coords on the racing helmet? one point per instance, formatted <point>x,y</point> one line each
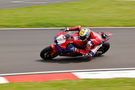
<point>84,34</point>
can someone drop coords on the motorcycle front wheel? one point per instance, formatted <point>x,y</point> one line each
<point>45,54</point>
<point>105,47</point>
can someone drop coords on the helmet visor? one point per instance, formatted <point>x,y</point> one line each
<point>83,38</point>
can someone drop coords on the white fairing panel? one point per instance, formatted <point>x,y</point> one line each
<point>61,39</point>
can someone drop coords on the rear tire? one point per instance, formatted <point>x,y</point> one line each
<point>105,47</point>
<point>46,53</point>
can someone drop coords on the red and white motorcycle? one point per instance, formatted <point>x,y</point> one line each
<point>54,50</point>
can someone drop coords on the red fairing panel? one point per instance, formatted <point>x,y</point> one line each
<point>95,38</point>
<point>65,44</point>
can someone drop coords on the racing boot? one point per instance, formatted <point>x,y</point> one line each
<point>94,50</point>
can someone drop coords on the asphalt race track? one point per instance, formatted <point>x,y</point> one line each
<point>20,49</point>
<point>7,4</point>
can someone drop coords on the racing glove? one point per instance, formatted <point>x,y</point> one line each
<point>66,29</point>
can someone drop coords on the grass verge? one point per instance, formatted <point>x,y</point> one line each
<point>104,84</point>
<point>85,13</point>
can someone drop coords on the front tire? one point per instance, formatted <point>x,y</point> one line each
<point>46,53</point>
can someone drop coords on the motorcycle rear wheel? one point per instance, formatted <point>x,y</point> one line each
<point>105,47</point>
<point>45,54</point>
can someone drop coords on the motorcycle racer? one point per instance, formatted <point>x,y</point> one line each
<point>85,41</point>
<point>88,38</point>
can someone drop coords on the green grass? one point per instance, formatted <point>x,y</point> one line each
<point>104,84</point>
<point>84,13</point>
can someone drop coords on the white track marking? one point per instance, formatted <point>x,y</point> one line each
<point>34,2</point>
<point>16,1</point>
<point>106,74</point>
<point>3,80</point>
<point>73,71</point>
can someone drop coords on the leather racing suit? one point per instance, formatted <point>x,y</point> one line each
<point>87,47</point>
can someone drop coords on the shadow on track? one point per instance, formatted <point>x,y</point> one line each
<point>64,60</point>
